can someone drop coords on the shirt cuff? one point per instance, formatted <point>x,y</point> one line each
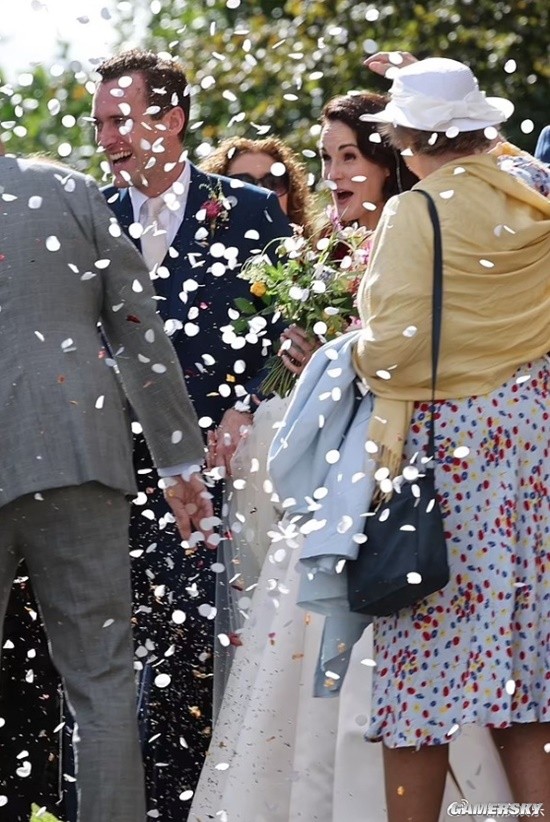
<point>183,470</point>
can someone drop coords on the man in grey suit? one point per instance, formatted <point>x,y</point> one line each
<point>67,274</point>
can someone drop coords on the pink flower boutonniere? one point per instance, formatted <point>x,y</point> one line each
<point>213,213</point>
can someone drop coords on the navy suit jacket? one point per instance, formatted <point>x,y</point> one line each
<point>212,368</point>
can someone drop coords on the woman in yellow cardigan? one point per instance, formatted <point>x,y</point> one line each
<point>478,651</point>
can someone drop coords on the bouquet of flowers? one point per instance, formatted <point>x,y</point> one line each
<point>312,283</point>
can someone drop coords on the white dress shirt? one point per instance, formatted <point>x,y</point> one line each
<point>175,197</point>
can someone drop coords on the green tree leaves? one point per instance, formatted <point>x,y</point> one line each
<point>268,66</point>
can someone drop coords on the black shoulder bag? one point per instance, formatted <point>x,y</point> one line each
<point>404,558</point>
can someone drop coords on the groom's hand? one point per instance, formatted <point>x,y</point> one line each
<point>191,505</point>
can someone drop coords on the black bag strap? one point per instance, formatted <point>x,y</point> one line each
<point>437,308</point>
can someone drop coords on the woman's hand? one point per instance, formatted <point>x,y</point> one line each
<point>223,442</point>
<point>383,61</point>
<point>191,505</point>
<point>296,349</point>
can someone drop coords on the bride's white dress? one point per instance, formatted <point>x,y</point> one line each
<point>277,753</point>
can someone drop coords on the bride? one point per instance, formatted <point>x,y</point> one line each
<point>273,750</point>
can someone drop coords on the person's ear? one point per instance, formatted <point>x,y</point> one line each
<point>174,120</point>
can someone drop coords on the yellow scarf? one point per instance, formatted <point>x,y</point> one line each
<point>496,294</point>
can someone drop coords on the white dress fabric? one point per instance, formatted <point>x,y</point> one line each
<point>277,753</point>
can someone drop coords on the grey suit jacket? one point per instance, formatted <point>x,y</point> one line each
<point>67,274</point>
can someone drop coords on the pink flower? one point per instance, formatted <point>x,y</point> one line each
<point>212,208</point>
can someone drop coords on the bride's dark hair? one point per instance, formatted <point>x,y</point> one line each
<point>373,146</point>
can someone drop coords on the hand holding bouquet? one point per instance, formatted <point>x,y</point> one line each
<point>311,283</point>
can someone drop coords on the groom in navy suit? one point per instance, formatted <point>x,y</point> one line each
<point>195,231</point>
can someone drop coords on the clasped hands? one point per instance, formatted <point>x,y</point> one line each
<point>223,442</point>
<point>191,505</point>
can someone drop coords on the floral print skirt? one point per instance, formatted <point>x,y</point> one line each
<point>479,650</point>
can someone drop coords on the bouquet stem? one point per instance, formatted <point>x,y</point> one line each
<point>279,379</point>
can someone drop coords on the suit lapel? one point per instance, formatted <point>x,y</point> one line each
<point>193,256</point>
<point>190,257</point>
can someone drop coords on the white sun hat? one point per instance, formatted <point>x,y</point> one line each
<point>439,94</point>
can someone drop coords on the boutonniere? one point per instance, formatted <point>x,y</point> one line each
<point>214,212</point>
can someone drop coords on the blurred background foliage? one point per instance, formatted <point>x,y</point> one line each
<point>267,67</point>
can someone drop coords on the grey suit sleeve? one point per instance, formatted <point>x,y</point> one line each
<point>148,365</point>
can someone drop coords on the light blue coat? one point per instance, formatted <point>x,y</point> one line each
<point>325,480</point>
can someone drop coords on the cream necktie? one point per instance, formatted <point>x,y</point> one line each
<point>154,240</point>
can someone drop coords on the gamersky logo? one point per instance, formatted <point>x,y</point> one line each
<point>493,810</point>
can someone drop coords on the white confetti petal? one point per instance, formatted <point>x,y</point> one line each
<point>207,611</point>
<point>24,770</point>
<point>410,473</point>
<point>52,243</point>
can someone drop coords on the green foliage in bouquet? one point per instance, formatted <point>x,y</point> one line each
<point>40,815</point>
<point>310,283</point>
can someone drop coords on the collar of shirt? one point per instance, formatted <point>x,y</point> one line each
<point>172,197</point>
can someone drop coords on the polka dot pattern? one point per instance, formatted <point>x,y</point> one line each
<point>479,650</point>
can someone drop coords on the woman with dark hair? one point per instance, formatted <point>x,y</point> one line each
<point>361,169</point>
<point>273,752</point>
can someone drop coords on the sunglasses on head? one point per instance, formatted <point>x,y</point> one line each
<point>279,185</point>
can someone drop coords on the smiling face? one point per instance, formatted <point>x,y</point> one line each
<point>354,180</point>
<point>136,144</point>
